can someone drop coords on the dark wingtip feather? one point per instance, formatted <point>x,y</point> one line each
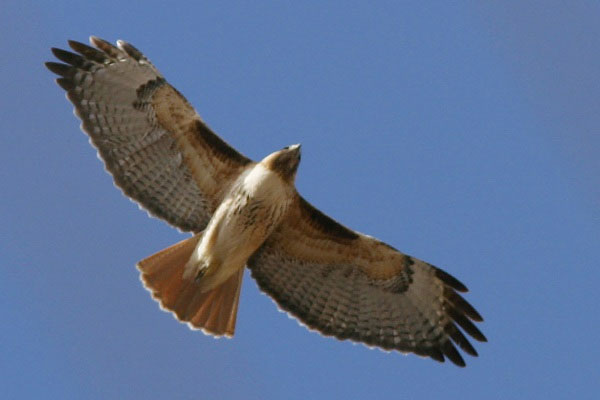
<point>453,355</point>
<point>460,339</point>
<point>106,47</point>
<point>75,45</point>
<point>437,355</point>
<point>96,41</point>
<point>462,305</point>
<point>65,83</point>
<point>450,280</point>
<point>131,50</point>
<point>465,324</point>
<point>89,52</point>
<point>68,57</point>
<point>58,68</point>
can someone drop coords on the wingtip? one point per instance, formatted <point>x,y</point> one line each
<point>99,42</point>
<point>130,49</point>
<point>51,65</point>
<point>462,305</point>
<point>453,355</point>
<point>66,84</point>
<point>57,68</point>
<point>450,280</point>
<point>75,45</point>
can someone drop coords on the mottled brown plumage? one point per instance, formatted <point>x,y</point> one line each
<point>333,279</point>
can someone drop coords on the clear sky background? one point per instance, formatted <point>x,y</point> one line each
<point>466,135</point>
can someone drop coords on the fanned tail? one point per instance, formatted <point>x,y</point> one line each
<point>214,311</point>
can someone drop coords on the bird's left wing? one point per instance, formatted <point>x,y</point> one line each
<point>352,286</point>
<point>152,141</point>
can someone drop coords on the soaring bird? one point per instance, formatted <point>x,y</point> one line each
<point>333,279</point>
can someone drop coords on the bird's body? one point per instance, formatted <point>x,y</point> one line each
<point>252,208</point>
<point>335,280</point>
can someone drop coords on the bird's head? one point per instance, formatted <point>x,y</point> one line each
<point>285,162</point>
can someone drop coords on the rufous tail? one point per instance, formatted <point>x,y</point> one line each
<point>214,311</point>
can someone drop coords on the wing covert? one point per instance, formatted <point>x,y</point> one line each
<point>157,148</point>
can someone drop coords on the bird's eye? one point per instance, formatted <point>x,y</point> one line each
<point>286,148</point>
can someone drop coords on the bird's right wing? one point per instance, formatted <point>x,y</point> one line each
<point>158,150</point>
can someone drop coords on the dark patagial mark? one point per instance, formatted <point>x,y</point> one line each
<point>324,223</point>
<point>389,247</point>
<point>218,145</point>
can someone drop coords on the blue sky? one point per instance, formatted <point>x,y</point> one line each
<point>466,135</point>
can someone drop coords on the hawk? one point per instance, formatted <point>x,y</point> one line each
<point>333,279</point>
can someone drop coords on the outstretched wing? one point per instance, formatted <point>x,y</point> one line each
<point>352,286</point>
<point>158,150</point>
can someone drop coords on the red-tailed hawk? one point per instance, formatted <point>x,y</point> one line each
<point>244,213</point>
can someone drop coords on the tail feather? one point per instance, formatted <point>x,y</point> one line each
<point>214,311</point>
